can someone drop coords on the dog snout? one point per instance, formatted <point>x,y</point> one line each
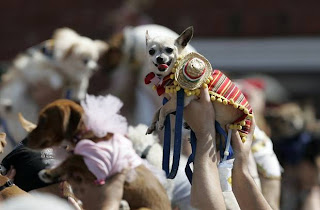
<point>160,60</point>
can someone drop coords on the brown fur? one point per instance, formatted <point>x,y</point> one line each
<point>62,120</point>
<point>10,192</point>
<point>57,121</point>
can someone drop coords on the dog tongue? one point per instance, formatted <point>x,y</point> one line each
<point>162,66</point>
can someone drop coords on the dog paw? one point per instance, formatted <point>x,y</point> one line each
<point>150,130</point>
<point>45,177</point>
<point>160,126</point>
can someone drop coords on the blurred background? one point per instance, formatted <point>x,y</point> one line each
<point>275,42</point>
<point>280,38</point>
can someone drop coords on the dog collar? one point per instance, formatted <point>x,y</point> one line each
<point>159,84</point>
<point>8,183</point>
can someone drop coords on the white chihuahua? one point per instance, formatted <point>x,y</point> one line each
<point>163,53</point>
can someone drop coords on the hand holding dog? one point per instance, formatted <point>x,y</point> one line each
<point>242,150</point>
<point>200,115</point>
<point>107,196</point>
<point>242,181</point>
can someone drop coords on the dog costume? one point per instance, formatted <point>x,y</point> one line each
<point>106,158</point>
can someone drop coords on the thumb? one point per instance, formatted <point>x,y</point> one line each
<point>235,139</point>
<point>204,95</point>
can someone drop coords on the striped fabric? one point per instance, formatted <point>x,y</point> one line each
<point>222,87</point>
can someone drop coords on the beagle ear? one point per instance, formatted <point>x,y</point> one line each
<point>71,122</point>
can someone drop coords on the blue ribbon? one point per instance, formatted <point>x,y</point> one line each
<point>193,142</point>
<point>177,138</point>
<point>177,142</point>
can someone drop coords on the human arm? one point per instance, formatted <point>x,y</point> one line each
<point>246,191</point>
<point>206,192</point>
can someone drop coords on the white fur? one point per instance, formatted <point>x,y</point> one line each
<point>65,69</point>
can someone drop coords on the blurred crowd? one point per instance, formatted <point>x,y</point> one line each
<point>284,159</point>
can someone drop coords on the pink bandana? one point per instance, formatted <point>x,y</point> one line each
<point>107,158</point>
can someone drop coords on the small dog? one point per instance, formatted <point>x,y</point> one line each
<point>60,124</point>
<point>164,52</point>
<point>126,65</point>
<point>46,72</point>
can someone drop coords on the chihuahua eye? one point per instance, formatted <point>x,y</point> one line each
<point>152,51</point>
<point>85,61</point>
<point>169,50</point>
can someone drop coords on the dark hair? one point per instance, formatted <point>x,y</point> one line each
<point>28,163</point>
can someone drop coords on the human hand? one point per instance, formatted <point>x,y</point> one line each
<point>242,149</point>
<point>200,115</point>
<point>107,196</point>
<point>114,188</point>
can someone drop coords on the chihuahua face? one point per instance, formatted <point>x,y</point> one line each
<point>164,51</point>
<point>78,55</point>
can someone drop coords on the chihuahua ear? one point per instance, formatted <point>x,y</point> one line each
<point>147,37</point>
<point>69,51</point>
<point>185,37</point>
<point>102,46</point>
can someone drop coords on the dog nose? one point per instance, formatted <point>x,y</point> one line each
<point>160,60</point>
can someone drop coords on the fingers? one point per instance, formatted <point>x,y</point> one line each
<point>204,95</point>
<point>236,139</point>
<point>252,127</point>
<point>120,177</point>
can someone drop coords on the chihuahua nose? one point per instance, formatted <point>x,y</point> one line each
<point>160,60</point>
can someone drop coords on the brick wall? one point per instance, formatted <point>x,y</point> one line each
<point>24,23</point>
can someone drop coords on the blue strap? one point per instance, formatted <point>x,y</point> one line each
<point>193,142</point>
<point>177,138</point>
<point>220,130</point>
<point>7,131</point>
<point>166,142</point>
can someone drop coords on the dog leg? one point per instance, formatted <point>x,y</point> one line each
<point>152,127</point>
<point>166,109</point>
